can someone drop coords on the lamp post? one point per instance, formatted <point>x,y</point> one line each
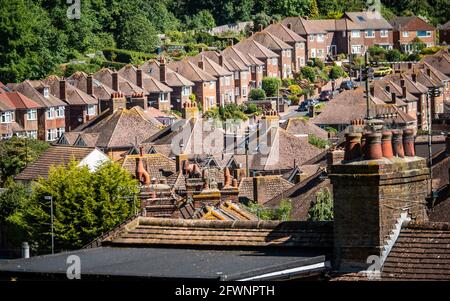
<point>50,198</point>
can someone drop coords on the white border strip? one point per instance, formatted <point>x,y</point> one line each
<point>289,271</point>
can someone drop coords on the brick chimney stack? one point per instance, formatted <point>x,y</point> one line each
<point>89,87</point>
<point>289,26</point>
<point>62,90</point>
<point>115,81</point>
<point>370,194</point>
<point>190,110</point>
<point>162,70</point>
<point>139,82</point>
<point>221,60</point>
<point>393,98</point>
<point>117,101</point>
<point>138,99</point>
<point>201,64</point>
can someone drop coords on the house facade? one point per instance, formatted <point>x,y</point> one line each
<point>408,31</point>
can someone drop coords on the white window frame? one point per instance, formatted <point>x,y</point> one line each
<point>46,92</point>
<point>211,85</point>
<point>313,52</point>
<point>31,134</point>
<point>356,33</point>
<point>32,114</point>
<point>320,52</point>
<point>405,34</point>
<point>274,61</point>
<point>7,117</point>
<point>369,36</point>
<point>311,37</point>
<point>384,33</point>
<point>163,97</point>
<point>51,135</point>
<point>359,47</point>
<point>60,112</point>
<point>320,37</point>
<point>244,91</point>
<point>91,110</point>
<point>186,91</point>
<point>237,92</point>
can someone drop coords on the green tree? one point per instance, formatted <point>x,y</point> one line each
<point>203,20</point>
<point>308,73</point>
<point>271,85</point>
<point>16,153</point>
<point>337,72</point>
<point>86,204</point>
<point>257,94</point>
<point>30,46</point>
<point>322,208</point>
<point>261,20</point>
<point>138,34</point>
<point>393,55</point>
<point>313,9</point>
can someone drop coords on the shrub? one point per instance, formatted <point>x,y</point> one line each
<point>295,89</point>
<point>308,73</point>
<point>257,94</point>
<point>322,208</point>
<point>271,85</point>
<point>317,142</point>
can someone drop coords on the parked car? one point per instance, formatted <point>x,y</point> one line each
<point>325,95</point>
<point>347,85</point>
<point>382,71</point>
<point>303,107</point>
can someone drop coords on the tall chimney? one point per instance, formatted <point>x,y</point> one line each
<point>289,26</point>
<point>393,98</point>
<point>429,72</point>
<point>221,60</point>
<point>162,70</point>
<point>387,88</point>
<point>201,64</point>
<point>414,77</point>
<point>89,87</point>
<point>139,78</point>
<point>372,198</point>
<point>62,90</point>
<point>115,81</point>
<point>403,92</point>
<point>402,82</point>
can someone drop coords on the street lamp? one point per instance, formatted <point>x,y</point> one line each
<point>50,198</point>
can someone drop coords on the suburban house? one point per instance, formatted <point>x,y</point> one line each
<point>51,112</point>
<point>116,130</point>
<point>440,61</point>
<point>297,43</point>
<point>367,29</point>
<point>92,87</point>
<point>408,31</point>
<point>240,71</point>
<point>58,155</point>
<point>444,33</point>
<point>281,48</point>
<point>205,84</point>
<point>225,78</point>
<point>18,115</point>
<point>315,36</point>
<point>81,107</point>
<point>158,94</point>
<point>262,53</point>
<point>181,86</point>
<point>256,67</point>
<point>117,83</point>
<point>352,34</point>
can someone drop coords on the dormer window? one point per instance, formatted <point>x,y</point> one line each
<point>46,92</point>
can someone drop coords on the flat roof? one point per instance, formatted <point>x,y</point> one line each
<point>172,263</point>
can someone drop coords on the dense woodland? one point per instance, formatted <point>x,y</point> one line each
<point>36,35</point>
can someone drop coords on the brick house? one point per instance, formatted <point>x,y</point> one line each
<point>157,93</point>
<point>316,37</point>
<point>281,48</point>
<point>255,69</point>
<point>262,53</point>
<point>294,40</point>
<point>241,74</point>
<point>51,114</point>
<point>225,78</point>
<point>205,83</point>
<point>352,34</point>
<point>407,29</point>
<point>92,87</point>
<point>181,86</point>
<point>81,107</point>
<point>18,115</point>
<point>444,33</point>
<point>365,29</point>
